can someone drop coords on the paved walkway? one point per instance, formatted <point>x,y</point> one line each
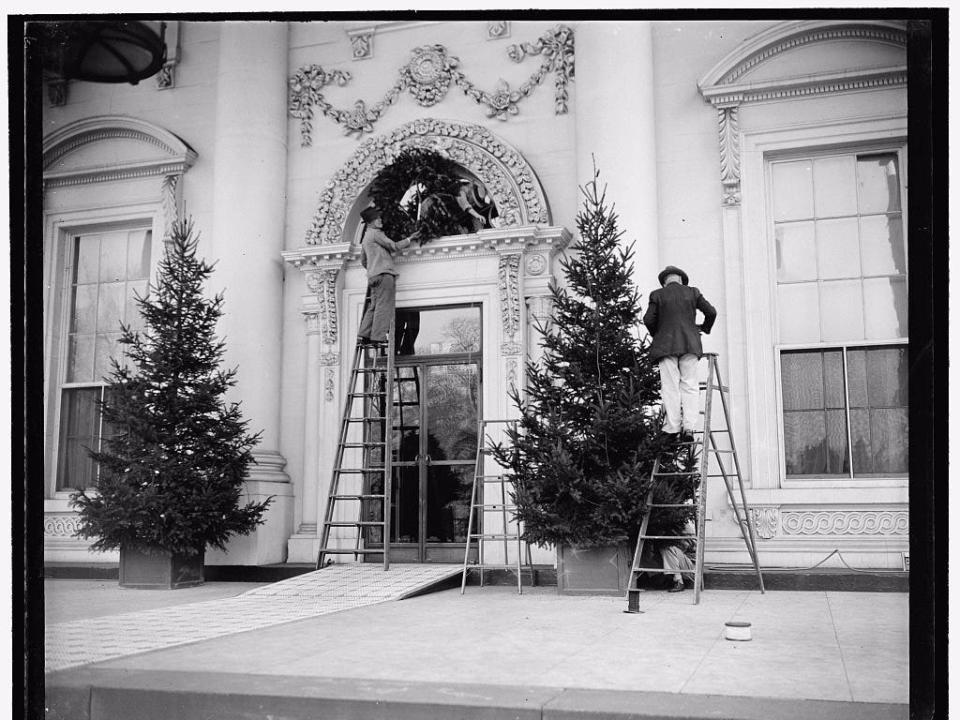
<point>846,653</point>
<point>339,587</point>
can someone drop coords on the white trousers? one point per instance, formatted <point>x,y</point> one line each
<point>680,392</point>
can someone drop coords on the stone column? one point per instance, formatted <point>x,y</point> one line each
<point>249,203</point>
<point>311,425</point>
<point>615,125</point>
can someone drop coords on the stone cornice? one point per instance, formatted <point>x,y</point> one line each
<point>826,83</point>
<point>787,36</point>
<point>486,242</point>
<point>107,173</point>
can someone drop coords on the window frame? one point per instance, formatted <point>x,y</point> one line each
<point>60,233</point>
<point>893,145</point>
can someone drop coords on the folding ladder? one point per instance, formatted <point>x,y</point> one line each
<point>491,497</point>
<point>363,465</point>
<point>674,475</point>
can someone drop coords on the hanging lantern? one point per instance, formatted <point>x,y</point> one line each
<point>102,51</point>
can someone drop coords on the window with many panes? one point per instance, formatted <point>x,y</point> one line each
<point>841,292</point>
<point>105,270</point>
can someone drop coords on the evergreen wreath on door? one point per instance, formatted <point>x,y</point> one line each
<point>418,192</point>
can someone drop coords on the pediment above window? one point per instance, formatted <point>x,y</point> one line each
<point>810,57</point>
<point>112,148</point>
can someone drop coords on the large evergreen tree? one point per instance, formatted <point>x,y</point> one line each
<point>589,430</point>
<point>173,462</point>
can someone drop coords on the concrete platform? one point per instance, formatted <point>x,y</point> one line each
<point>491,653</point>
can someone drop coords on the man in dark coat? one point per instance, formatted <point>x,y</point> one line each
<point>671,319</point>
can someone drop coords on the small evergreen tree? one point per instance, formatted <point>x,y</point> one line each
<point>172,469</point>
<point>583,449</point>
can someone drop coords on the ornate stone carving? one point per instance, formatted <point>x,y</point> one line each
<point>427,76</point>
<point>512,372</point>
<point>556,46</point>
<point>729,154</point>
<point>766,521</point>
<point>327,295</point>
<point>169,204</point>
<point>361,45</point>
<point>510,348</point>
<point>328,385</point>
<point>498,29</point>
<point>536,264</point>
<point>509,282</point>
<point>61,526</point>
<point>506,175</point>
<point>846,522</point>
<point>314,281</point>
<point>329,358</point>
<point>166,76</point>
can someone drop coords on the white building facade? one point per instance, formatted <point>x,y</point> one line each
<point>767,159</point>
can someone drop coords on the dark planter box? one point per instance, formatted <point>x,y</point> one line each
<point>593,570</point>
<point>161,570</point>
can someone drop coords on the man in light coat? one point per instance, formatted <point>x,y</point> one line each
<point>671,318</point>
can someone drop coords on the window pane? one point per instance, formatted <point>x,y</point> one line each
<point>837,459</point>
<point>80,358</point>
<point>834,181</point>
<point>804,436</point>
<point>833,379</point>
<point>799,313</point>
<point>885,300</point>
<point>84,316</point>
<point>110,307</point>
<point>107,347</point>
<point>452,413</point>
<point>890,433</point>
<point>138,254</point>
<point>86,259</point>
<point>857,377</point>
<point>796,252</point>
<point>113,257</point>
<point>132,314</point>
<point>879,183</point>
<point>838,248</point>
<point>886,375</point>
<point>792,190</point>
<point>438,331</point>
<point>862,447</point>
<point>801,375</point>
<point>881,240</point>
<point>841,310</point>
<point>78,428</point>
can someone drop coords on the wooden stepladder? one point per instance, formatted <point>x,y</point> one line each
<point>360,486</point>
<point>686,467</point>
<point>491,503</point>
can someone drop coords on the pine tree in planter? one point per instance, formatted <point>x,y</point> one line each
<point>172,469</point>
<point>588,432</point>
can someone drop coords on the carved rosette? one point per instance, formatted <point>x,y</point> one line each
<point>846,522</point>
<point>428,74</point>
<point>507,176</point>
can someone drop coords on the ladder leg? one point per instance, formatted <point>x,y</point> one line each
<point>702,483</point>
<point>473,505</point>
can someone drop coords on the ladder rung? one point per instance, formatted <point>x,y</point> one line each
<point>730,452</point>
<point>675,474</point>
<point>361,444</point>
<point>496,505</point>
<point>672,505</point>
<point>353,523</point>
<point>669,537</point>
<point>721,388</point>
<point>662,570</point>
<point>357,497</point>
<point>495,537</point>
<point>359,470</point>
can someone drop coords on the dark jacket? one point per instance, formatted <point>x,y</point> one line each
<point>671,318</point>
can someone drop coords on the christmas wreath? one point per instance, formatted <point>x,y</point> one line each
<point>418,192</point>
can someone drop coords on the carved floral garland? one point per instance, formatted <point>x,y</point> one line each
<point>427,77</point>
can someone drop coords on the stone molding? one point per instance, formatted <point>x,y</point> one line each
<point>61,525</point>
<point>508,276</point>
<point>508,177</point>
<point>774,521</point>
<point>723,87</point>
<point>179,156</point>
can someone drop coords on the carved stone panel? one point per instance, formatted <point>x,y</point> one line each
<point>846,522</point>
